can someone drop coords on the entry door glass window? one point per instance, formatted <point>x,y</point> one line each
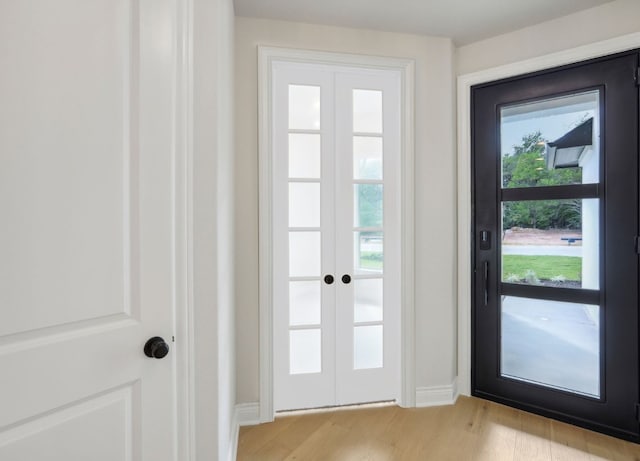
<point>551,147</point>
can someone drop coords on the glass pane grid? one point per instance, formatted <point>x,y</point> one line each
<point>364,134</point>
<point>553,243</point>
<point>304,204</point>
<point>368,300</point>
<point>305,131</point>
<point>304,254</point>
<point>304,155</point>
<point>368,181</point>
<point>368,347</point>
<point>551,142</point>
<point>368,205</point>
<point>552,344</point>
<point>367,158</point>
<point>304,107</point>
<point>305,351</point>
<point>302,180</point>
<point>305,303</point>
<point>367,111</point>
<point>368,252</point>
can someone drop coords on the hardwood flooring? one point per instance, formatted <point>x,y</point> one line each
<point>472,429</point>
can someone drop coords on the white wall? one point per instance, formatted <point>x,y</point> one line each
<point>435,186</point>
<point>213,266</point>
<point>588,26</point>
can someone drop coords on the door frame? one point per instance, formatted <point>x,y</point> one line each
<point>186,403</point>
<point>465,222</point>
<point>266,57</point>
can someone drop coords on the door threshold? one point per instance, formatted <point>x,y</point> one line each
<point>329,408</point>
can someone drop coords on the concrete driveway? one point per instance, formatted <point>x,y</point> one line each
<point>552,343</point>
<point>542,250</point>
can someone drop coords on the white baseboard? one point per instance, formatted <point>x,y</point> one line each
<point>437,395</point>
<point>245,414</point>
<point>235,432</point>
<point>248,414</point>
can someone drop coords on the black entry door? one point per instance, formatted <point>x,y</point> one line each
<point>555,299</point>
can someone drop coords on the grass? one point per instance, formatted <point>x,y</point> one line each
<point>545,267</point>
<point>371,260</point>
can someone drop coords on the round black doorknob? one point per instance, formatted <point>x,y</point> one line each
<point>346,278</point>
<point>156,348</point>
<point>328,279</point>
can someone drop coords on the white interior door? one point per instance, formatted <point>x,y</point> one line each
<point>336,239</point>
<point>86,242</point>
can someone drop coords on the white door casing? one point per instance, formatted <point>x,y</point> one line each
<point>268,56</point>
<point>320,358</point>
<point>88,246</point>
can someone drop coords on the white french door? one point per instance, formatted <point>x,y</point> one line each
<point>336,235</point>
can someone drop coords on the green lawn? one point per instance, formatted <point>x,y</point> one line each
<point>371,260</point>
<point>545,267</point>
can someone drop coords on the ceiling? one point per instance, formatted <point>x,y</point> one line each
<point>465,21</point>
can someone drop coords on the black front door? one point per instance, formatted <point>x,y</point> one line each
<point>555,299</point>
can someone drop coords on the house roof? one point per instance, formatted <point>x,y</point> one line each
<point>568,150</point>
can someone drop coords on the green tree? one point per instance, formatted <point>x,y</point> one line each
<point>527,167</point>
<point>369,205</point>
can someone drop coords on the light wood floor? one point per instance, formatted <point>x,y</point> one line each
<point>472,429</point>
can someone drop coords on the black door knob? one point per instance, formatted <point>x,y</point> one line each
<point>156,348</point>
<point>346,278</point>
<point>328,279</point>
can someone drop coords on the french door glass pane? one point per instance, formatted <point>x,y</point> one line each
<point>304,303</point>
<point>368,252</point>
<point>304,107</point>
<point>304,155</point>
<point>367,205</point>
<point>304,204</point>
<point>304,254</point>
<point>551,142</point>
<point>367,111</point>
<point>367,347</point>
<point>305,351</point>
<point>551,243</point>
<point>368,300</point>
<point>551,343</point>
<point>367,157</point>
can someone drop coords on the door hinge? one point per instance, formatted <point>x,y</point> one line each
<point>638,76</point>
<point>636,244</point>
<point>637,412</point>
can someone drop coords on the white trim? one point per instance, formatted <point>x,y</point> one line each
<point>247,414</point>
<point>265,237</point>
<point>437,395</point>
<point>235,435</point>
<point>233,446</point>
<point>266,56</point>
<point>407,321</point>
<point>183,221</point>
<point>244,414</point>
<point>615,45</point>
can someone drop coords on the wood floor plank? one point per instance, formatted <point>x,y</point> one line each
<point>472,429</point>
<point>532,440</point>
<point>568,443</point>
